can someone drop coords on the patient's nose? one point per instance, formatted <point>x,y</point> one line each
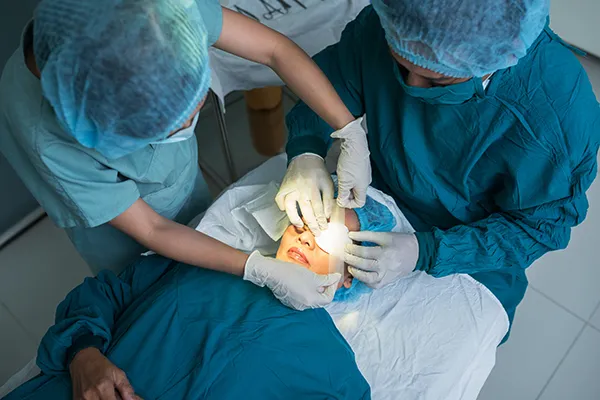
<point>307,239</point>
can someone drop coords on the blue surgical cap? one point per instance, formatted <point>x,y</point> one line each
<point>462,38</point>
<point>352,293</point>
<point>375,217</point>
<point>120,74</point>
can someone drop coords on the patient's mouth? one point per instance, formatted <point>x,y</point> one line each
<point>296,254</point>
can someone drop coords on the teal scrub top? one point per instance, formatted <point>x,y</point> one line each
<point>490,181</point>
<point>80,189</point>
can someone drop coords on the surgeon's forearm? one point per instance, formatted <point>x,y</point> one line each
<point>253,41</point>
<point>309,83</point>
<point>178,242</point>
<point>186,245</point>
<point>498,242</point>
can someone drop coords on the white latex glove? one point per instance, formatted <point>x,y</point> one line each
<point>395,256</point>
<point>354,165</point>
<point>293,285</point>
<point>307,183</point>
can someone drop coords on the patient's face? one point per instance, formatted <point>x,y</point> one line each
<point>298,246</point>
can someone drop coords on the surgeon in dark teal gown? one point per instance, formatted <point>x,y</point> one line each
<point>488,151</point>
<point>180,332</point>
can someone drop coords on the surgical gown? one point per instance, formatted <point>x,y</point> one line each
<point>491,182</point>
<point>182,332</point>
<point>79,188</point>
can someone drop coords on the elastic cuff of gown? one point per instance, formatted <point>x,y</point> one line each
<point>305,144</point>
<point>426,251</point>
<point>83,342</point>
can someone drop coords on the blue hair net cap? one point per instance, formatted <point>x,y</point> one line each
<point>462,38</point>
<point>352,293</point>
<point>375,217</point>
<point>120,74</point>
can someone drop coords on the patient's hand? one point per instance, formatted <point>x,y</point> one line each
<point>95,377</point>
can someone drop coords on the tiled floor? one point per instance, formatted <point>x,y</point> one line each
<point>553,353</point>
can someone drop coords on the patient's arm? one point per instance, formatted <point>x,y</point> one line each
<point>86,317</point>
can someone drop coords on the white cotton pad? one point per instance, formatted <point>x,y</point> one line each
<point>265,211</point>
<point>273,221</point>
<point>333,239</point>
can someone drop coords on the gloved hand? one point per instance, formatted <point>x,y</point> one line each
<point>293,285</point>
<point>395,256</point>
<point>307,183</point>
<point>354,165</point>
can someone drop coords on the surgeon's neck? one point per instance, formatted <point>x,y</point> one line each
<point>30,61</point>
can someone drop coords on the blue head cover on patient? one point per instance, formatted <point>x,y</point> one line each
<point>352,293</point>
<point>375,217</point>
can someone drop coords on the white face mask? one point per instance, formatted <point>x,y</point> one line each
<point>183,134</point>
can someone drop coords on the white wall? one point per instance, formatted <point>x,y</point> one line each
<point>577,22</point>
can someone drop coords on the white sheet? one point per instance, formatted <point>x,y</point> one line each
<point>419,338</point>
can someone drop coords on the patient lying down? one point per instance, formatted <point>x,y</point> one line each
<point>180,332</point>
<point>248,219</point>
<point>433,330</point>
<point>166,326</point>
<point>299,246</point>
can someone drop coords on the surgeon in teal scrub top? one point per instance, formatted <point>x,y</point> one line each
<point>482,125</point>
<point>97,114</point>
